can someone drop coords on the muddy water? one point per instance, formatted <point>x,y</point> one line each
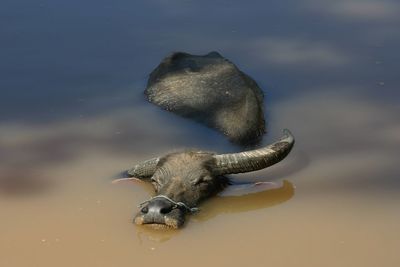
<point>72,115</point>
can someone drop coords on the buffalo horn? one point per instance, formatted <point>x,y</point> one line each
<point>144,169</point>
<point>254,160</point>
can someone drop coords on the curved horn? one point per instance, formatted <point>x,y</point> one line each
<point>255,159</point>
<point>144,169</point>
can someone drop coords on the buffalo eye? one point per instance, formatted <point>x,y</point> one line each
<point>198,181</point>
<point>154,182</point>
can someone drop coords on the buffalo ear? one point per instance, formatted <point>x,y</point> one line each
<point>130,179</point>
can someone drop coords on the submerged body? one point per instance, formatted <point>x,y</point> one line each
<point>212,90</point>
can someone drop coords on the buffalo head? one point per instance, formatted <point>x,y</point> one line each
<point>182,180</point>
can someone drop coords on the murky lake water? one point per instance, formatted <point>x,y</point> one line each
<point>72,115</point>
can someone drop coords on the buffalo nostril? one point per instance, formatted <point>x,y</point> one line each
<point>144,210</point>
<point>165,210</point>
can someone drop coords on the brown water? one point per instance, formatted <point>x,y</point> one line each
<point>72,115</point>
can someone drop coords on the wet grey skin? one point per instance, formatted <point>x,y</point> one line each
<point>183,179</point>
<point>212,90</point>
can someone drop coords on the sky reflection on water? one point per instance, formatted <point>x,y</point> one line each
<point>57,53</point>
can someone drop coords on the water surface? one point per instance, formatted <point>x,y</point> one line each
<point>72,114</point>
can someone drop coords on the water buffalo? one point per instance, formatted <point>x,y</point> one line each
<point>182,180</point>
<point>212,90</point>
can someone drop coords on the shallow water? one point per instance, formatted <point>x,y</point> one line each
<point>72,115</point>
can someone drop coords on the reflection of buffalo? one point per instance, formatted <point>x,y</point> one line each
<point>211,90</point>
<point>182,180</point>
<point>241,203</point>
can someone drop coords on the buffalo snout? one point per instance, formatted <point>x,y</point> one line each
<point>158,212</point>
<point>157,207</point>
